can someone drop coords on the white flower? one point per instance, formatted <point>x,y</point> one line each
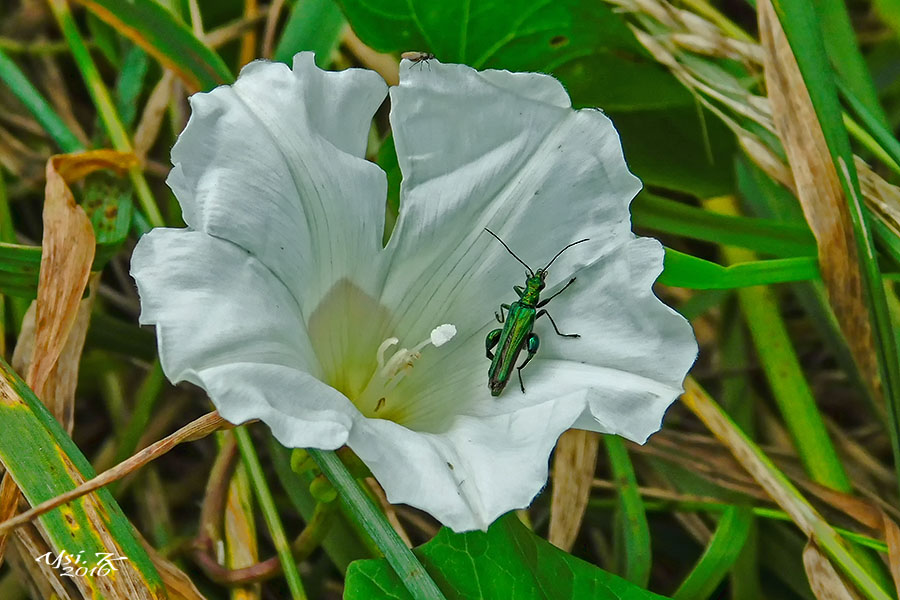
<point>280,301</point>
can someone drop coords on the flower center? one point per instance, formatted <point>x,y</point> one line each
<point>376,399</point>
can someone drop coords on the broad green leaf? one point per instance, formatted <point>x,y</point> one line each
<point>684,270</point>
<point>519,35</point>
<point>156,30</point>
<point>583,43</point>
<point>43,461</point>
<point>673,148</point>
<point>507,561</point>
<point>593,53</point>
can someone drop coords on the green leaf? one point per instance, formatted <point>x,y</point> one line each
<point>104,38</point>
<point>674,149</point>
<point>844,54</point>
<point>889,11</point>
<point>313,25</point>
<point>506,561</point>
<point>108,204</point>
<point>42,458</point>
<point>156,30</point>
<point>684,270</point>
<point>115,335</point>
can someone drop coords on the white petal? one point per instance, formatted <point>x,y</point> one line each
<point>301,411</point>
<point>214,303</point>
<point>225,323</point>
<point>623,325</point>
<point>472,472</point>
<point>484,150</point>
<point>275,163</point>
<point>619,402</point>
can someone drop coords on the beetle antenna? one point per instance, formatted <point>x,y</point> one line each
<point>530,271</point>
<point>563,250</point>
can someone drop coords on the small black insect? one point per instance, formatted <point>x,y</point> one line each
<point>418,57</point>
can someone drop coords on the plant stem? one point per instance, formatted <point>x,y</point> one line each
<point>270,512</point>
<point>372,520</point>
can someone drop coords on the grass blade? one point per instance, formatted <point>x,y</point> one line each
<point>785,374</point>
<point>103,101</point>
<point>684,270</point>
<point>270,512</point>
<point>721,553</point>
<point>762,235</point>
<point>777,485</point>
<point>38,106</point>
<point>635,530</point>
<point>844,54</point>
<point>155,29</point>
<point>801,28</point>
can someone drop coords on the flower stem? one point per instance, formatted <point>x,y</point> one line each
<point>363,510</point>
<point>270,512</point>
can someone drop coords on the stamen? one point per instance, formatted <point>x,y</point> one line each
<point>379,354</point>
<point>393,370</point>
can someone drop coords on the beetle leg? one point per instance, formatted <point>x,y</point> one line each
<point>532,346</point>
<point>519,290</point>
<point>500,316</point>
<point>543,312</point>
<point>546,300</point>
<point>490,341</point>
